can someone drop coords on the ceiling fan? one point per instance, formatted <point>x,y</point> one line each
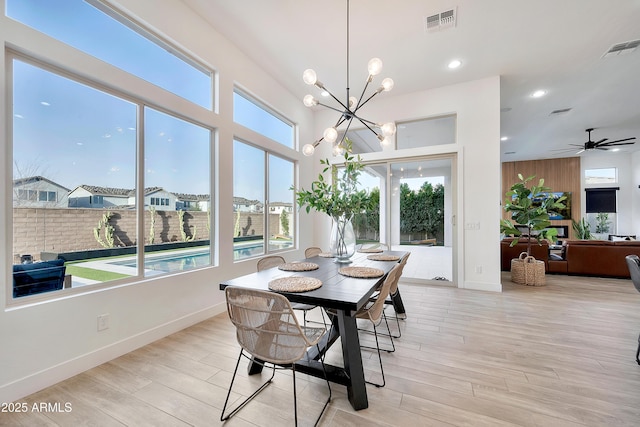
<point>602,144</point>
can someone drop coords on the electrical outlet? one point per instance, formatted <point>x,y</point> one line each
<point>472,226</point>
<point>103,322</point>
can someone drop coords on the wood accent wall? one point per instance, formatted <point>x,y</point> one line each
<point>559,175</point>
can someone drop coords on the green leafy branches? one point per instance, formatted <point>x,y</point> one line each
<point>531,207</point>
<point>338,196</point>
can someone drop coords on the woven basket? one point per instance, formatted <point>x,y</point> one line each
<point>526,270</point>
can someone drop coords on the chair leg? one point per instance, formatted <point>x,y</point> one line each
<point>638,351</point>
<point>295,395</point>
<point>224,417</point>
<point>375,332</point>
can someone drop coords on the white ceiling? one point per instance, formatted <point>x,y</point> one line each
<point>555,45</point>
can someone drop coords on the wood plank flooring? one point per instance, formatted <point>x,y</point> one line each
<point>559,355</point>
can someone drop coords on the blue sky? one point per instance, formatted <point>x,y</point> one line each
<point>74,134</point>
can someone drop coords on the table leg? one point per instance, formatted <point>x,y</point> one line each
<point>398,305</point>
<point>356,391</point>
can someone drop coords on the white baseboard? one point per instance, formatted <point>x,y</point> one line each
<point>37,381</point>
<point>482,286</point>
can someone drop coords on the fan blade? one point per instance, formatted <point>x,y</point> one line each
<point>617,144</point>
<point>577,145</point>
<point>601,141</point>
<point>602,148</point>
<point>581,151</point>
<point>620,140</point>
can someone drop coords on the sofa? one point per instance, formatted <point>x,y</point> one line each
<point>508,252</point>
<point>38,277</point>
<point>601,258</point>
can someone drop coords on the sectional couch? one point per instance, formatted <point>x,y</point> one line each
<point>595,258</point>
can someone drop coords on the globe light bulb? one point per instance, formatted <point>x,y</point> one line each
<point>308,149</point>
<point>309,101</point>
<point>374,66</point>
<point>385,142</point>
<point>309,76</point>
<point>338,150</point>
<point>330,135</point>
<point>387,84</point>
<point>388,129</point>
<point>353,101</point>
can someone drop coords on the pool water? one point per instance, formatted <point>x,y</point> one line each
<point>194,259</point>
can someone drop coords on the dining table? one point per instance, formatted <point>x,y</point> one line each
<point>341,295</point>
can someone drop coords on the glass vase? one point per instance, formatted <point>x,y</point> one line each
<point>343,239</point>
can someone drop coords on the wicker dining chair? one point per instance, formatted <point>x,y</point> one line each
<point>274,261</point>
<point>374,312</point>
<point>269,333</point>
<point>394,290</point>
<point>633,262</point>
<point>312,251</point>
<point>269,262</point>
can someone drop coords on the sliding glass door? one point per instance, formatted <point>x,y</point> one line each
<point>413,211</point>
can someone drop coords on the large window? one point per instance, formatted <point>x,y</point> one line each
<point>258,230</point>
<point>101,178</point>
<point>251,114</point>
<point>99,31</point>
<point>177,159</point>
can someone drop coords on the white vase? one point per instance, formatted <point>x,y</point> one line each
<point>343,239</point>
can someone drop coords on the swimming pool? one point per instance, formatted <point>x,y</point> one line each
<point>181,261</point>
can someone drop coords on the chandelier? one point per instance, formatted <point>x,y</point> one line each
<point>349,110</point>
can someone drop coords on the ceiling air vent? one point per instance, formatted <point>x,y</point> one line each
<point>440,21</point>
<point>622,48</point>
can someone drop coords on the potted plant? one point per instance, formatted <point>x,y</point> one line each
<point>339,198</point>
<point>582,229</point>
<point>530,206</point>
<point>602,225</point>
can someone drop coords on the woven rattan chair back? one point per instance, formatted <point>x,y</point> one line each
<point>266,326</point>
<point>373,311</point>
<point>394,286</point>
<point>269,262</point>
<point>312,251</point>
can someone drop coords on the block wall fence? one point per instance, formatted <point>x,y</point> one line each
<point>37,230</point>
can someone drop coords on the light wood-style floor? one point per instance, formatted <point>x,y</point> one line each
<point>560,355</point>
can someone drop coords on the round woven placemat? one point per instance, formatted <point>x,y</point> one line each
<point>294,284</point>
<point>370,250</point>
<point>325,255</point>
<point>361,272</point>
<point>383,257</point>
<point>298,266</point>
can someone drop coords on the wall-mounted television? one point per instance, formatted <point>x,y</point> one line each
<point>562,213</point>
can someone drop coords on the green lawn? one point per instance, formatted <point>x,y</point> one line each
<point>92,274</point>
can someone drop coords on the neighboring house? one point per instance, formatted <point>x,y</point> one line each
<point>157,198</point>
<point>279,207</point>
<point>193,202</point>
<point>91,196</point>
<point>240,204</point>
<point>38,192</point>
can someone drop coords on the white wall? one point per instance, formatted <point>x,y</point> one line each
<point>628,221</point>
<point>477,106</point>
<point>49,341</point>
<point>635,193</point>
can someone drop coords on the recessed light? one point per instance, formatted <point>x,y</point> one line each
<point>504,138</point>
<point>454,64</point>
<point>539,93</point>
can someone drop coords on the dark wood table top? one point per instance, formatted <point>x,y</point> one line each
<point>337,291</point>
